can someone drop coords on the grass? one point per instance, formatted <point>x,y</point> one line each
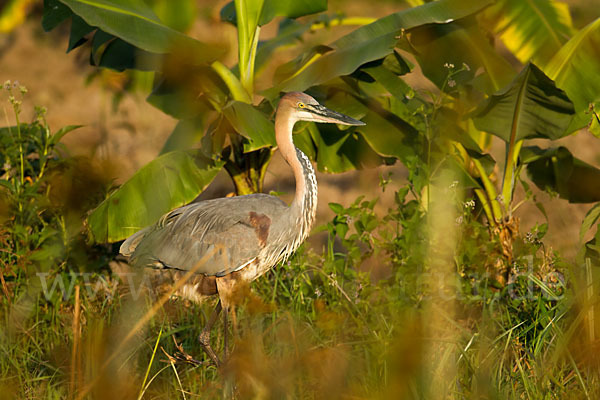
<point>316,327</point>
<point>438,322</point>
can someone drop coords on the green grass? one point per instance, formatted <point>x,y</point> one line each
<point>442,320</point>
<point>316,327</point>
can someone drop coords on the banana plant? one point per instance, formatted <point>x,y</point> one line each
<point>514,108</point>
<point>217,105</point>
<point>529,107</point>
<point>542,32</point>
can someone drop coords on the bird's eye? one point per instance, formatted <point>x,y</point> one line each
<point>301,105</point>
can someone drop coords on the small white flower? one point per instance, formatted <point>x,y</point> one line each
<point>451,83</point>
<point>530,237</point>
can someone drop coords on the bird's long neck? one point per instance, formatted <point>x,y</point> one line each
<point>304,205</point>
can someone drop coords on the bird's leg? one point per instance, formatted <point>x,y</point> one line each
<point>225,329</point>
<point>229,312</point>
<point>204,337</point>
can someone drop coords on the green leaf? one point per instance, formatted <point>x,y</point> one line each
<point>576,67</point>
<point>289,31</point>
<point>448,122</point>
<point>590,219</point>
<point>390,81</point>
<point>187,133</point>
<point>62,132</point>
<point>120,55</point>
<point>374,41</point>
<point>450,171</point>
<point>341,151</point>
<point>594,126</point>
<point>188,92</point>
<point>336,208</point>
<point>303,140</point>
<point>295,66</point>
<point>385,133</point>
<point>277,8</point>
<point>135,22</point>
<point>590,251</point>
<point>556,170</point>
<point>388,135</point>
<point>434,47</point>
<point>530,107</point>
<point>397,64</point>
<point>54,14</point>
<point>79,28</point>
<point>290,9</point>
<point>177,14</point>
<point>233,83</point>
<point>533,30</point>
<point>252,124</point>
<point>169,181</point>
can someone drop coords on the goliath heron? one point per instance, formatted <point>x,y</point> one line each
<point>234,240</point>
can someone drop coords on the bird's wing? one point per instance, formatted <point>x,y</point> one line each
<point>213,237</point>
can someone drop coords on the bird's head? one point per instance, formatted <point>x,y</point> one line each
<point>302,107</point>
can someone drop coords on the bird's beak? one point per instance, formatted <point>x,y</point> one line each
<point>323,114</point>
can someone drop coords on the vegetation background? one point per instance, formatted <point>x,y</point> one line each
<point>378,305</point>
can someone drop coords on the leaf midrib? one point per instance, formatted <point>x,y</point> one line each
<point>545,22</point>
<point>517,111</point>
<point>577,39</point>
<point>119,11</point>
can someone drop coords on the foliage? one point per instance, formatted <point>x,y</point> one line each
<point>356,320</point>
<point>188,172</point>
<point>356,75</point>
<point>440,296</point>
<point>44,195</point>
<point>533,30</point>
<point>219,100</point>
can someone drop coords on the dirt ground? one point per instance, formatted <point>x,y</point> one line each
<point>134,133</point>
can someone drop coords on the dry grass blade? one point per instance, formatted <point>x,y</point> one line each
<point>76,340</point>
<point>145,318</point>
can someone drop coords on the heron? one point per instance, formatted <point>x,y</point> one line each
<point>232,241</point>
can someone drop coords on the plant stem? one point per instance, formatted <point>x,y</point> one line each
<point>248,16</point>
<point>234,85</point>
<point>21,157</point>
<point>508,182</point>
<point>486,206</point>
<point>248,172</point>
<point>490,193</point>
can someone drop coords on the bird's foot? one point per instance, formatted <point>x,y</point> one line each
<point>181,355</point>
<point>204,339</point>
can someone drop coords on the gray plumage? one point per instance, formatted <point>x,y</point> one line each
<point>224,229</point>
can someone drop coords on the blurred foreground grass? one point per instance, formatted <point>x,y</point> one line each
<point>436,324</point>
<point>420,302</point>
